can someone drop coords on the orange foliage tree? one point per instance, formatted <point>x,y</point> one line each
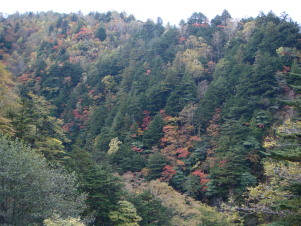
<point>178,141</point>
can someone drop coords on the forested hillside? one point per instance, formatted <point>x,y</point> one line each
<point>108,120</point>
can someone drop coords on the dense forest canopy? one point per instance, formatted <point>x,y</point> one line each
<point>146,124</point>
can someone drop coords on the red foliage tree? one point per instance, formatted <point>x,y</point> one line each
<point>182,39</point>
<point>67,126</point>
<point>183,152</point>
<point>213,130</point>
<point>167,173</point>
<point>23,78</point>
<point>203,178</point>
<point>177,141</point>
<point>200,25</point>
<point>76,114</point>
<point>84,33</point>
<point>137,149</point>
<point>146,120</point>
<point>81,118</point>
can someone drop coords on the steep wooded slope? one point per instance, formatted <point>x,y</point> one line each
<point>192,106</point>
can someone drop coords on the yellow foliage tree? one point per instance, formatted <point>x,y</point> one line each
<point>277,199</point>
<point>189,61</point>
<point>8,100</point>
<point>114,146</point>
<point>186,210</point>
<point>57,221</point>
<point>125,215</point>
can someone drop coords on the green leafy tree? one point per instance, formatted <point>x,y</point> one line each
<point>126,214</point>
<point>276,200</point>
<point>8,101</point>
<point>286,146</point>
<point>31,190</point>
<point>35,125</point>
<point>186,210</point>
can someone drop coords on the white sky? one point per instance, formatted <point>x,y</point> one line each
<point>169,10</point>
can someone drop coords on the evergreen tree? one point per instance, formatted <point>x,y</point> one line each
<point>154,132</point>
<point>181,96</point>
<point>155,165</point>
<point>102,187</point>
<point>127,160</point>
<point>101,33</point>
<point>150,209</point>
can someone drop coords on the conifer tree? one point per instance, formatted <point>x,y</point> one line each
<point>154,132</point>
<point>155,165</point>
<point>102,187</point>
<point>101,33</point>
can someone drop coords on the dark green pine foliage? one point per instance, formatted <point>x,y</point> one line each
<point>102,142</point>
<point>181,96</point>
<point>213,99</point>
<point>247,89</point>
<point>122,121</point>
<point>104,191</point>
<point>156,97</point>
<point>23,119</point>
<point>154,132</point>
<point>225,79</point>
<point>192,186</point>
<point>95,125</point>
<point>231,158</point>
<point>151,209</point>
<point>40,68</point>
<point>221,19</point>
<point>102,187</point>
<point>107,64</point>
<point>263,82</point>
<point>294,81</point>
<point>218,35</point>
<point>194,22</point>
<point>101,33</point>
<point>134,107</point>
<point>155,165</point>
<point>270,33</point>
<point>59,80</point>
<point>167,45</point>
<point>126,159</point>
<point>178,180</point>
